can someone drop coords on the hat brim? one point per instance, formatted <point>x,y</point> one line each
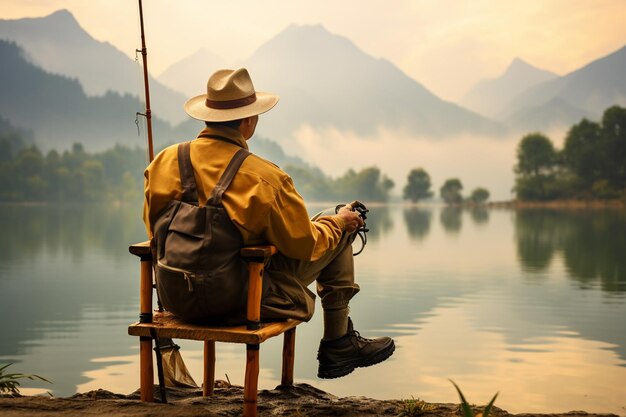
<point>196,107</point>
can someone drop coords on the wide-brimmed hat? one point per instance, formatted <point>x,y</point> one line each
<point>230,95</point>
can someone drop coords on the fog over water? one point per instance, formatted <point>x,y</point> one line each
<point>477,162</point>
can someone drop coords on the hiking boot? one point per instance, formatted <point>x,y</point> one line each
<point>341,356</point>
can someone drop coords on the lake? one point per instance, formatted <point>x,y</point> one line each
<point>530,303</point>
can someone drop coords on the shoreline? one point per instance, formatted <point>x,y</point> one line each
<point>298,400</point>
<point>560,204</point>
<point>507,204</point>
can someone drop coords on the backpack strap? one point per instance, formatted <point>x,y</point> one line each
<point>187,179</point>
<point>215,199</point>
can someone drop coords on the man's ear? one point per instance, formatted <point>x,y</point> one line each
<point>248,126</point>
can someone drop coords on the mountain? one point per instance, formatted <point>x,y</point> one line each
<point>59,113</point>
<point>554,114</point>
<point>58,44</point>
<point>190,75</point>
<point>488,97</point>
<point>592,89</point>
<point>324,80</point>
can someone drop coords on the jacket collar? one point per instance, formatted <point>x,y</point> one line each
<point>224,133</point>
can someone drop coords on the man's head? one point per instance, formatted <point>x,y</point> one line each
<point>230,96</point>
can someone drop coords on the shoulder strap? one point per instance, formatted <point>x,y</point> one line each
<point>233,166</point>
<point>187,179</point>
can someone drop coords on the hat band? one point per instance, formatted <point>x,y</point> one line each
<point>231,104</point>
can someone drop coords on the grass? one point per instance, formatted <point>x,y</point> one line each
<point>9,383</point>
<point>467,409</point>
<point>413,408</point>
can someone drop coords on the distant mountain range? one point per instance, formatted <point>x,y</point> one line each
<point>59,45</point>
<point>526,98</point>
<point>324,80</point>
<point>54,112</point>
<point>59,113</point>
<point>489,97</point>
<point>588,90</point>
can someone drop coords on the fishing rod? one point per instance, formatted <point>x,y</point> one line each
<point>148,116</point>
<point>148,112</point>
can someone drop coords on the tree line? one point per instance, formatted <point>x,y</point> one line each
<point>29,175</point>
<point>368,184</point>
<point>26,174</point>
<point>591,165</point>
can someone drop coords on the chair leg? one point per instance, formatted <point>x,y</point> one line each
<point>289,353</point>
<point>209,368</point>
<point>146,372</point>
<point>251,381</point>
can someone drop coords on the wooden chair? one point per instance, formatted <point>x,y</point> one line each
<point>165,325</point>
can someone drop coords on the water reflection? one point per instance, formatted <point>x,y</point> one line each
<point>417,222</point>
<point>450,218</point>
<point>591,245</point>
<point>379,222</point>
<point>68,289</point>
<point>37,230</point>
<point>66,286</point>
<point>479,214</point>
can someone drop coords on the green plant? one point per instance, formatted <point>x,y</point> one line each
<point>413,407</point>
<point>467,409</point>
<point>9,383</point>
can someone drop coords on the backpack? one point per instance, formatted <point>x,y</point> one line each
<point>200,276</point>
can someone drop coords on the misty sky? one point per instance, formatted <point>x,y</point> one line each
<point>446,45</point>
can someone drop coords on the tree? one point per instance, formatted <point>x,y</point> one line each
<point>479,195</point>
<point>614,138</point>
<point>367,184</point>
<point>450,191</point>
<point>418,185</point>
<point>537,161</point>
<point>535,155</point>
<point>582,153</point>
<point>92,173</point>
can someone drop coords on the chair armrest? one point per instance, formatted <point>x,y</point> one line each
<point>142,250</point>
<point>258,254</point>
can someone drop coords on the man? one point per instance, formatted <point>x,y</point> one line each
<point>263,204</point>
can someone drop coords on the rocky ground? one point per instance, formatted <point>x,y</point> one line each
<point>300,400</point>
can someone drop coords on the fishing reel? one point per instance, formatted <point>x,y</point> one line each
<point>361,231</point>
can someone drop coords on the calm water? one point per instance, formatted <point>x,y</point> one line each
<point>528,303</point>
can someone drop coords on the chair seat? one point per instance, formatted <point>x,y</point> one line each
<point>167,325</point>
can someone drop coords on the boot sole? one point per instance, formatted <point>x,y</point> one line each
<point>337,371</point>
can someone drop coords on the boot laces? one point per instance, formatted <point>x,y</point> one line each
<point>358,336</point>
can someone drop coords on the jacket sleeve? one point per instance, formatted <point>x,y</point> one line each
<point>293,233</point>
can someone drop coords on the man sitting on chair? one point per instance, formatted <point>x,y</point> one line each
<point>266,208</point>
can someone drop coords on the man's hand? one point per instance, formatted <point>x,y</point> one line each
<point>350,217</point>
